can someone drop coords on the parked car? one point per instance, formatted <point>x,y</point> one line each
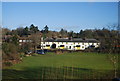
<point>28,52</point>
<point>40,52</point>
<point>91,46</point>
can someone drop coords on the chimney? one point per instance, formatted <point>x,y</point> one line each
<point>70,38</point>
<point>84,38</point>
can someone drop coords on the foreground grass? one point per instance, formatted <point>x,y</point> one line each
<point>69,65</point>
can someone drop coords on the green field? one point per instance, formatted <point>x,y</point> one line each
<point>63,66</point>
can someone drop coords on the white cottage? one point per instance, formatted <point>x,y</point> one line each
<point>69,44</point>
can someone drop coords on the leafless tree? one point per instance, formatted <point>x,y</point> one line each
<point>36,40</point>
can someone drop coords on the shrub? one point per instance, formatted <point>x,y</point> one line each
<point>10,52</point>
<point>7,64</point>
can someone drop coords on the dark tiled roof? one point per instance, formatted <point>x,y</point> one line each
<point>68,40</point>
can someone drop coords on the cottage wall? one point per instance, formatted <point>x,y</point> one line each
<point>68,45</point>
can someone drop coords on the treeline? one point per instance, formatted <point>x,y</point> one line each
<point>109,38</point>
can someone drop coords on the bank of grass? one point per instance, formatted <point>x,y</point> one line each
<point>74,65</point>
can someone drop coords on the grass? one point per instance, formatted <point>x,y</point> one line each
<point>68,65</point>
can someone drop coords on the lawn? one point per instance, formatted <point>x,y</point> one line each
<point>74,65</point>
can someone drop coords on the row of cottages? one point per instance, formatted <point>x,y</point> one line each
<point>69,44</point>
<point>24,40</point>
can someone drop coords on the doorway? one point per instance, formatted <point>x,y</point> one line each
<point>53,46</point>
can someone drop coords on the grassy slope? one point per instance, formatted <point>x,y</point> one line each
<point>85,61</point>
<point>82,60</point>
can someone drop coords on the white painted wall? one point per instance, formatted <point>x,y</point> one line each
<point>68,44</point>
<point>20,40</point>
<point>25,40</point>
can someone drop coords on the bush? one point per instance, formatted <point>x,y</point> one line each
<point>7,64</point>
<point>22,55</point>
<point>10,52</point>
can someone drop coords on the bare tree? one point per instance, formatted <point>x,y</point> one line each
<point>115,41</point>
<point>36,40</point>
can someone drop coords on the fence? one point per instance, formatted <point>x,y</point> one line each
<point>73,73</point>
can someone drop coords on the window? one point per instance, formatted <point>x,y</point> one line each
<point>30,40</point>
<point>27,40</point>
<point>82,46</point>
<point>82,43</point>
<point>77,45</point>
<point>24,40</point>
<point>47,45</point>
<point>66,42</point>
<point>20,40</point>
<point>61,45</point>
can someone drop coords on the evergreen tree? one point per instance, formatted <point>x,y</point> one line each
<point>33,29</point>
<point>46,29</point>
